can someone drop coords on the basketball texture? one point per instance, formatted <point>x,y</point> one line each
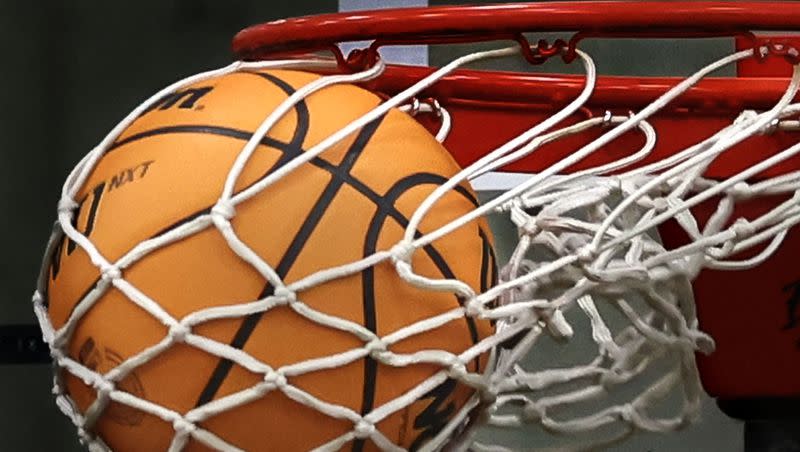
<point>169,167</point>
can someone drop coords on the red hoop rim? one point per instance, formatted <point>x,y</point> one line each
<point>511,89</point>
<point>490,22</point>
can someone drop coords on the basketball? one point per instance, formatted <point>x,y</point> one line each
<point>168,168</point>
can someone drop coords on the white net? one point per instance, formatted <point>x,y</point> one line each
<point>585,240</point>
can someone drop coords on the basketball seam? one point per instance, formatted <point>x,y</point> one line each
<point>376,225</point>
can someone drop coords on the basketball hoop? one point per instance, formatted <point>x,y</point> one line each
<point>711,164</point>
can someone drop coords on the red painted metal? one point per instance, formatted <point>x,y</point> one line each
<point>747,312</point>
<point>489,22</point>
<point>766,67</point>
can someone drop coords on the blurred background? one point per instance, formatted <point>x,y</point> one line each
<point>73,69</point>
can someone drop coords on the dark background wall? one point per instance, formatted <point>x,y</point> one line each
<point>70,71</point>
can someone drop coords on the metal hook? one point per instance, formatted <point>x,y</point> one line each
<point>542,51</point>
<point>784,50</point>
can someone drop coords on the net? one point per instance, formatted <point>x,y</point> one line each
<point>587,250</point>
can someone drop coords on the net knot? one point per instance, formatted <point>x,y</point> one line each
<point>376,348</point>
<point>274,379</point>
<point>104,388</point>
<point>179,331</point>
<point>488,395</point>
<point>473,308</point>
<point>285,295</point>
<point>223,209</point>
<point>458,371</point>
<point>84,436</point>
<point>613,376</point>
<point>557,324</point>
<point>531,226</point>
<point>586,254</point>
<point>110,273</point>
<point>743,229</point>
<point>745,118</point>
<point>364,429</point>
<point>67,205</point>
<point>183,427</point>
<point>56,354</point>
<point>627,413</point>
<point>741,191</point>
<point>531,413</point>
<point>402,251</point>
<point>660,204</point>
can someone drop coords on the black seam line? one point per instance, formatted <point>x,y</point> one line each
<point>484,274</point>
<point>352,181</point>
<point>411,181</point>
<point>484,260</point>
<point>386,208</point>
<point>300,132</point>
<point>288,153</point>
<point>287,261</point>
<point>290,150</point>
<point>205,129</point>
<point>301,110</point>
<point>280,146</point>
<point>488,271</point>
<point>355,183</point>
<point>287,149</point>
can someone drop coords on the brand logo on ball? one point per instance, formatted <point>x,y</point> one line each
<point>92,201</point>
<point>129,175</point>
<point>102,359</point>
<point>184,99</point>
<point>435,416</point>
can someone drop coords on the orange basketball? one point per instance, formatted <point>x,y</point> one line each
<point>169,167</point>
